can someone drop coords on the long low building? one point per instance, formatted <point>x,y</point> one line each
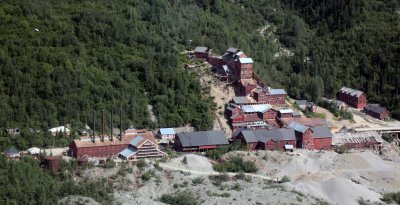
<point>112,147</point>
<point>199,141</point>
<point>358,140</point>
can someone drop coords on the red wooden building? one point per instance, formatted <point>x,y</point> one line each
<point>202,52</point>
<point>352,97</point>
<point>269,95</point>
<point>244,68</point>
<point>318,137</point>
<point>377,111</point>
<point>105,147</point>
<point>274,139</point>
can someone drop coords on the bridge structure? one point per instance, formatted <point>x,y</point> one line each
<point>393,131</point>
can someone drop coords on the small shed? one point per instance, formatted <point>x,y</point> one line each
<point>52,163</point>
<point>289,147</point>
<point>12,152</point>
<point>301,103</point>
<point>377,111</point>
<point>167,135</point>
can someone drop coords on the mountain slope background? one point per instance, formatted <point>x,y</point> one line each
<point>61,60</point>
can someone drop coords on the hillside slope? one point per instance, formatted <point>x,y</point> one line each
<point>61,60</point>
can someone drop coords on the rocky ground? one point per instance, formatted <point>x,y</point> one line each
<point>315,178</point>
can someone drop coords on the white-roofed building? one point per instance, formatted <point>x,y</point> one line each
<point>59,130</point>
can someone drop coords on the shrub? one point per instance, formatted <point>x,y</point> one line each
<point>197,180</point>
<point>179,198</point>
<point>285,179</point>
<point>242,176</point>
<point>218,179</point>
<point>146,176</point>
<point>341,149</point>
<point>236,187</point>
<point>184,160</point>
<point>388,138</point>
<point>109,164</point>
<point>141,164</point>
<point>391,197</point>
<point>236,164</point>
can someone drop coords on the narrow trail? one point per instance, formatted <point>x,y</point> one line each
<point>231,174</point>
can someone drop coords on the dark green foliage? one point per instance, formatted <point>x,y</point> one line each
<point>391,197</point>
<point>141,164</point>
<point>61,60</point>
<point>28,139</point>
<point>146,176</point>
<point>355,44</point>
<point>285,179</point>
<point>179,198</point>
<point>24,182</point>
<point>389,138</point>
<point>221,150</point>
<point>236,164</point>
<point>331,106</point>
<point>109,164</point>
<point>219,178</point>
<point>242,176</point>
<point>197,181</point>
<point>341,149</point>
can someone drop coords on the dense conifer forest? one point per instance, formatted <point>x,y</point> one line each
<point>60,60</point>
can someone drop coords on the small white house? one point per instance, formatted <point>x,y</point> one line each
<point>59,130</point>
<point>167,135</point>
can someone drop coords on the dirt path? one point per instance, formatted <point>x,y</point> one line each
<point>220,91</point>
<point>231,174</point>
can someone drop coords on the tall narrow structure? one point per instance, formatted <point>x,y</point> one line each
<point>111,127</point>
<point>120,127</point>
<point>102,125</point>
<point>94,126</point>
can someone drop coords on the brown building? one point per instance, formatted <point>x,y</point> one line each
<point>377,111</point>
<point>202,52</point>
<point>274,139</point>
<point>107,146</point>
<point>199,141</point>
<point>269,95</point>
<point>352,97</point>
<point>244,68</point>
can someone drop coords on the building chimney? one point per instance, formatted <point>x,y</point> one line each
<point>102,125</point>
<point>94,126</point>
<point>120,127</point>
<point>112,128</point>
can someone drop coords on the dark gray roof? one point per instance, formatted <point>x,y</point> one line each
<point>232,50</point>
<point>240,100</point>
<point>278,134</point>
<point>301,102</point>
<point>298,127</point>
<point>321,132</point>
<point>193,139</point>
<point>249,136</point>
<point>375,108</point>
<point>339,103</point>
<point>201,49</point>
